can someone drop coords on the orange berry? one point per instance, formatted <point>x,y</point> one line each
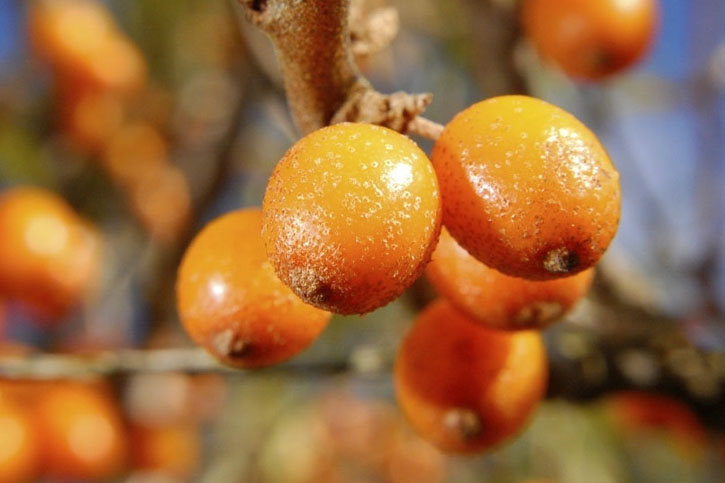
<point>19,450</point>
<point>162,201</point>
<point>640,412</point>
<point>81,40</point>
<point>497,300</point>
<point>66,32</point>
<point>89,118</point>
<point>465,387</point>
<point>351,216</point>
<point>591,39</point>
<point>171,450</point>
<point>132,150</point>
<point>119,66</point>
<point>231,302</point>
<point>527,189</point>
<point>49,256</point>
<point>81,432</point>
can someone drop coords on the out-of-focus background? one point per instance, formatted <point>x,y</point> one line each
<point>184,119</point>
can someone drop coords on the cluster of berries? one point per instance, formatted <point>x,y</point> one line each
<point>353,215</point>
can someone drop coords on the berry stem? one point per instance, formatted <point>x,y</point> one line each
<point>425,128</point>
<point>312,41</point>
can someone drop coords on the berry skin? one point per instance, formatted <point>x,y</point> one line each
<point>49,256</point>
<point>527,189</point>
<point>465,387</point>
<point>591,39</point>
<point>81,432</point>
<point>231,302</point>
<point>351,216</point>
<point>497,300</point>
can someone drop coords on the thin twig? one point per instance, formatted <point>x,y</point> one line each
<point>426,128</point>
<point>47,366</point>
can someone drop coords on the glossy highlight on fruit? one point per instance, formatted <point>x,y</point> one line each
<point>351,216</point>
<point>231,302</point>
<point>591,39</point>
<point>49,255</point>
<point>497,300</point>
<point>465,387</point>
<point>527,188</point>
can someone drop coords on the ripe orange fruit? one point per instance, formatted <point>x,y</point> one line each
<point>89,118</point>
<point>161,200</point>
<point>132,150</point>
<point>640,413</point>
<point>169,450</point>
<point>118,66</point>
<point>465,387</point>
<point>351,216</point>
<point>231,302</point>
<point>591,39</point>
<point>81,432</point>
<point>527,189</point>
<point>19,449</point>
<point>49,256</point>
<point>81,40</point>
<point>68,31</point>
<point>497,300</point>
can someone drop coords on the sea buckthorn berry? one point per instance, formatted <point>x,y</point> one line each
<point>527,189</point>
<point>19,450</point>
<point>351,216</point>
<point>49,255</point>
<point>161,200</point>
<point>173,451</point>
<point>81,40</point>
<point>66,32</point>
<point>231,302</point>
<point>132,150</point>
<point>465,387</point>
<point>636,414</point>
<point>88,118</point>
<point>591,39</point>
<point>81,431</point>
<point>497,300</point>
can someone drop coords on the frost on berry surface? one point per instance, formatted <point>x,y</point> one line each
<point>527,188</point>
<point>351,214</point>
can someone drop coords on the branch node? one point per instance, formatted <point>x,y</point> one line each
<point>395,110</point>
